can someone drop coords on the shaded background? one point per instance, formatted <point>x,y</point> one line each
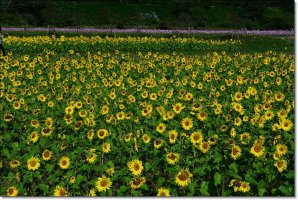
<point>160,14</point>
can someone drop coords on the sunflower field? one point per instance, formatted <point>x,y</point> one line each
<point>145,116</point>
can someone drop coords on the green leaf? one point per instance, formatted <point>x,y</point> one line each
<point>145,187</point>
<point>217,179</point>
<point>284,190</point>
<point>204,189</point>
<point>50,168</point>
<point>26,178</point>
<point>110,164</point>
<point>261,191</point>
<point>217,157</point>
<point>191,188</point>
<point>80,178</point>
<point>262,183</point>
<point>44,187</point>
<point>136,193</point>
<point>250,179</point>
<point>123,188</point>
<point>290,174</point>
<point>160,181</point>
<point>200,171</point>
<point>227,192</point>
<point>5,152</point>
<point>147,166</point>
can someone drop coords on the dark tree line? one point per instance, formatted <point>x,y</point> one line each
<point>189,12</point>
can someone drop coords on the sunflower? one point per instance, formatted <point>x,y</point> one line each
<point>236,184</point>
<point>235,152</point>
<point>237,121</point>
<point>69,110</point>
<point>33,137</point>
<point>204,147</point>
<point>238,107</point>
<point>16,105</point>
<point>14,163</point>
<point>92,192</point>
<point>60,191</point>
<point>110,171</point>
<point>279,96</point>
<point>146,138</point>
<point>12,191</point>
<point>46,132</point>
<point>104,110</point>
<point>127,137</point>
<point>112,95</point>
<point>103,183</point>
<point>78,104</point>
<point>91,158</point>
<point>137,182</point>
<point>281,165</point>
<point>46,155</point>
<point>8,117</point>
<point>173,136</point>
<point>233,132</point>
<point>163,192</point>
<point>196,137</point>
<point>120,116</point>
<point>106,147</point>
<point>51,104</point>
<point>72,179</point>
<point>158,142</point>
<point>244,187</point>
<point>202,116</point>
<point>281,149</point>
<point>49,122</point>
<point>102,133</point>
<point>33,163</point>
<point>172,158</point>
<point>257,149</point>
<point>34,123</point>
<point>269,114</point>
<point>282,114</point>
<point>183,178</point>
<point>244,138</point>
<point>90,134</point>
<point>135,166</point>
<point>161,127</point>
<point>238,96</point>
<point>187,123</point>
<point>153,96</point>
<point>178,107</point>
<point>83,113</point>
<point>196,107</point>
<point>188,96</point>
<point>285,124</point>
<point>64,162</point>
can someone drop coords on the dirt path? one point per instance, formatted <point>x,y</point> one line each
<point>154,31</point>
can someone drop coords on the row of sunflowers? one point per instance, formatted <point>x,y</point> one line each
<point>145,123</point>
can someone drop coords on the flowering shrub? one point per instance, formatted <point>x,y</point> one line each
<point>145,123</point>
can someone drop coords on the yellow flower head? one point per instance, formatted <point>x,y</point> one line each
<point>64,162</point>
<point>33,163</point>
<point>12,191</point>
<point>103,183</point>
<point>60,191</point>
<point>183,178</point>
<point>135,166</point>
<point>172,158</point>
<point>187,123</point>
<point>163,192</point>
